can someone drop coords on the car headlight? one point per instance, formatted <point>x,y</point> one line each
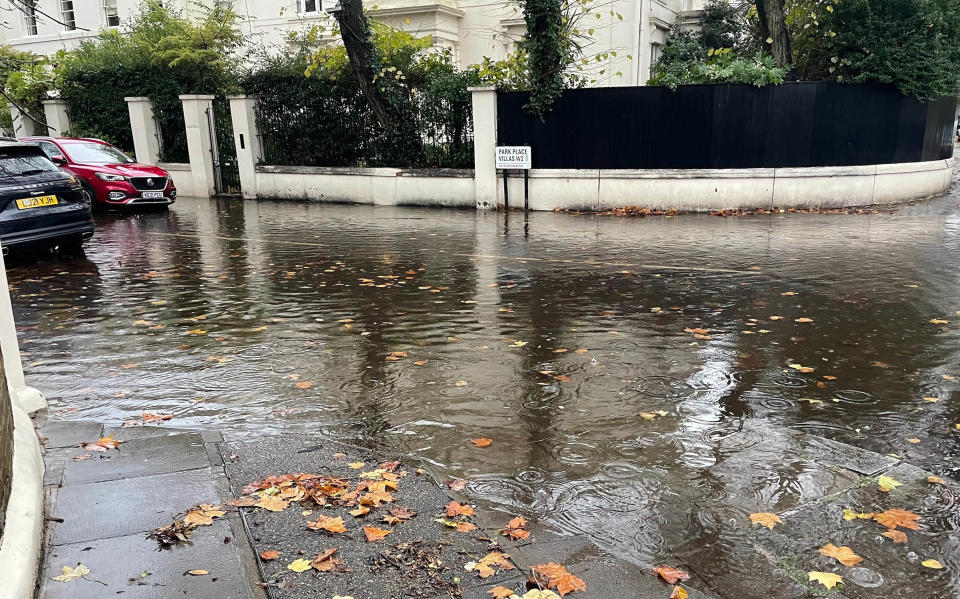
<point>108,177</point>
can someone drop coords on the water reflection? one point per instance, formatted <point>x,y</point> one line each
<point>552,334</point>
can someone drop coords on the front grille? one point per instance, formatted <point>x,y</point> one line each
<point>149,183</point>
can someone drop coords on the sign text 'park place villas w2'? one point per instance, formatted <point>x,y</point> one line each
<point>518,157</point>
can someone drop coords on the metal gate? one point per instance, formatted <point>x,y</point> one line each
<point>226,172</point>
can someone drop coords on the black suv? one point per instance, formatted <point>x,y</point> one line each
<point>40,205</point>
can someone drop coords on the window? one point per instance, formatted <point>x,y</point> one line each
<point>30,16</point>
<point>308,6</point>
<point>655,52</point>
<point>111,14</point>
<point>91,152</point>
<point>67,15</point>
<point>48,148</point>
<point>22,164</point>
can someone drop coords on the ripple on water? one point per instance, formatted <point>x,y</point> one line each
<point>785,379</point>
<point>664,387</point>
<point>575,452</point>
<point>855,397</point>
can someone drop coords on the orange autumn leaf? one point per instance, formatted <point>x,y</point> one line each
<point>304,385</point>
<point>671,575</point>
<point>516,529</point>
<point>897,536</point>
<point>334,525</point>
<point>272,503</point>
<point>897,517</point>
<point>563,378</point>
<point>482,442</point>
<point>843,554</point>
<point>459,509</point>
<point>360,511</point>
<point>555,576</point>
<point>500,592</point>
<point>375,534</point>
<point>484,567</point>
<point>325,562</point>
<point>766,519</point>
<point>466,527</point>
<point>678,593</point>
<point>270,555</point>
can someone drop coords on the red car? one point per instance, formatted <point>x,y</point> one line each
<point>109,177</point>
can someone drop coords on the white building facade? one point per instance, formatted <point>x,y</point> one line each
<point>625,34</point>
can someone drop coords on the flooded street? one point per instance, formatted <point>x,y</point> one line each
<point>639,378</point>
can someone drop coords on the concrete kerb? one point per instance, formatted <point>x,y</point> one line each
<point>21,544</point>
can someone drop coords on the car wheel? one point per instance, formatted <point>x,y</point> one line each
<point>90,198</point>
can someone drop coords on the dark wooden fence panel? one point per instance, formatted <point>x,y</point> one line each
<point>730,126</point>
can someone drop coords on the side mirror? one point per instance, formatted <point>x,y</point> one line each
<point>58,159</point>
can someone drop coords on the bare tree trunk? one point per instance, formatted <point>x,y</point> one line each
<point>773,29</point>
<point>364,62</point>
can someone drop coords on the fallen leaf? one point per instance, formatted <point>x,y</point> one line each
<point>936,480</point>
<point>272,554</point>
<point>887,483</point>
<point>827,377</point>
<point>360,511</point>
<point>849,514</point>
<point>203,515</point>
<point>482,442</point>
<point>461,383</point>
<point>516,529</point>
<point>334,525</point>
<point>325,562</point>
<point>938,321</point>
<point>457,484</point>
<point>299,565</point>
<point>897,517</point>
<point>931,563</point>
<point>460,526</point>
<point>556,576</point>
<point>198,572</point>
<point>70,574</point>
<point>897,536</point>
<point>931,399</point>
<point>843,554</point>
<point>800,368</point>
<point>196,332</point>
<point>678,593</point>
<point>499,592</point>
<point>563,378</point>
<point>786,293</point>
<point>827,579</point>
<point>272,503</point>
<point>375,534</point>
<point>243,502</point>
<point>356,465</point>
<point>459,509</point>
<point>484,567</point>
<point>804,319</point>
<point>304,385</point>
<point>671,575</point>
<point>913,440</point>
<point>766,519</point>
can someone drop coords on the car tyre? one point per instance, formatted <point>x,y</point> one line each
<point>91,198</point>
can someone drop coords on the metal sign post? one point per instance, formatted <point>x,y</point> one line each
<point>515,158</point>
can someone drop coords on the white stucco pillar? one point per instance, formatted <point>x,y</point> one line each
<point>200,141</point>
<point>23,126</point>
<point>58,119</point>
<point>246,136</point>
<point>143,124</point>
<point>485,146</point>
<point>28,398</point>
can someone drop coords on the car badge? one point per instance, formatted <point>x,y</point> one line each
<point>150,182</point>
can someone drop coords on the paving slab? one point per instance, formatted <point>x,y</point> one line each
<point>119,563</point>
<point>61,433</point>
<point>137,457</point>
<point>120,507</point>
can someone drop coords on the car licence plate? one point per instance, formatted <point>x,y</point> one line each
<point>37,202</point>
<point>152,195</point>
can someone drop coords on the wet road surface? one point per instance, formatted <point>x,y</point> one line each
<point>626,369</point>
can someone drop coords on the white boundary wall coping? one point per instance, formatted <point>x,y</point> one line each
<point>688,190</point>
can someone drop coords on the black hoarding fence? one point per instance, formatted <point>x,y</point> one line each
<point>800,124</point>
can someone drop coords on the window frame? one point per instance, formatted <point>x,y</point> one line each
<point>69,22</point>
<point>109,9</point>
<point>30,18</point>
<point>303,10</point>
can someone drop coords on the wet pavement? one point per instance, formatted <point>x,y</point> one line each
<point>643,380</point>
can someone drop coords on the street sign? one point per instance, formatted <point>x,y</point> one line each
<point>514,157</point>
